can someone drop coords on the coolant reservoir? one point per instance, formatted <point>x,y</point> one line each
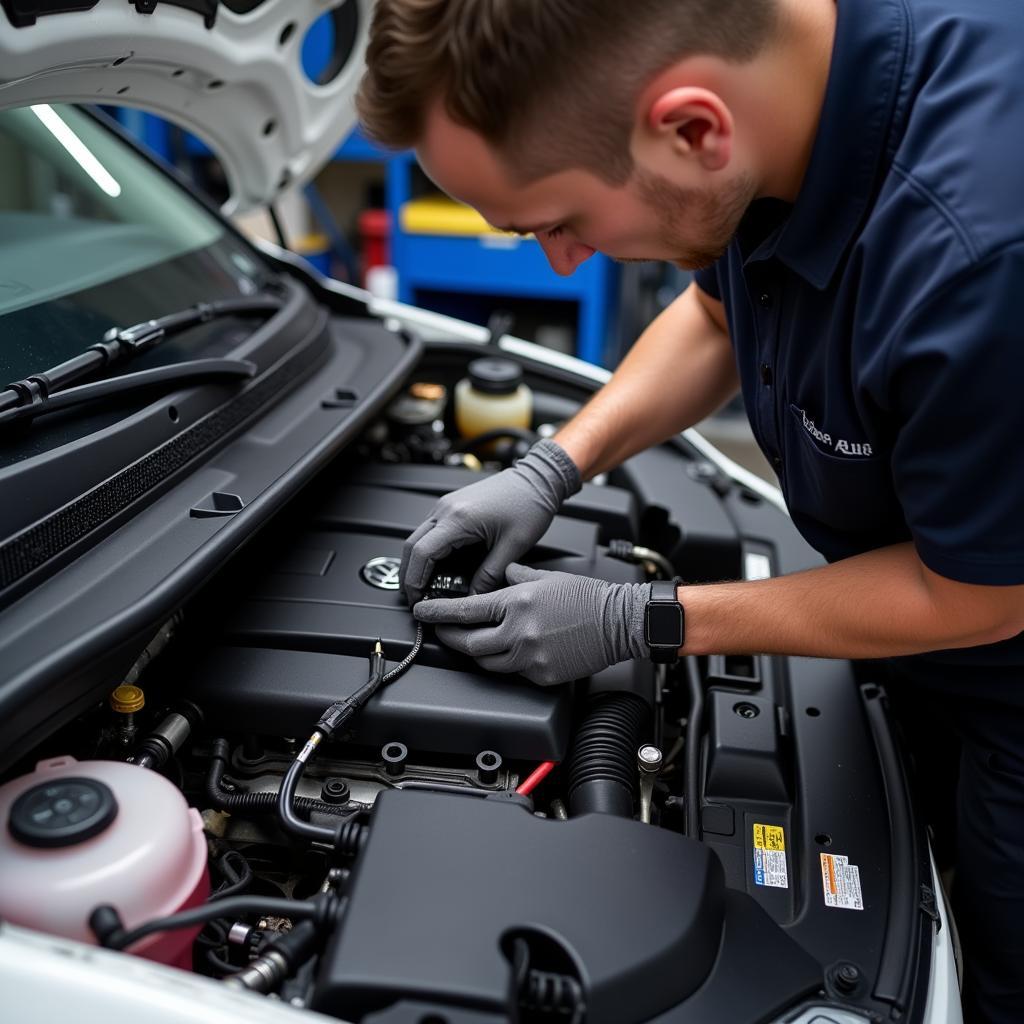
<point>80,833</point>
<point>492,397</point>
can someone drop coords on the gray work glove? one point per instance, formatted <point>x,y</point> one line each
<point>548,626</point>
<point>509,512</point>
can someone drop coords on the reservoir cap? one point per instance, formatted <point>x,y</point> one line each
<point>495,376</point>
<point>127,699</point>
<point>62,812</point>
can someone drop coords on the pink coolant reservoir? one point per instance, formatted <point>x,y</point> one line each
<point>75,834</point>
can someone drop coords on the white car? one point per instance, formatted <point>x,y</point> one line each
<point>209,459</point>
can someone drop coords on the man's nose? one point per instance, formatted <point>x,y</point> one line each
<point>565,254</point>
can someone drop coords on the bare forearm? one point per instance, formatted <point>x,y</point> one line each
<point>881,604</point>
<point>680,371</point>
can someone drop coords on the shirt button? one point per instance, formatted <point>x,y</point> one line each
<point>766,375</point>
<point>777,462</point>
<point>765,300</point>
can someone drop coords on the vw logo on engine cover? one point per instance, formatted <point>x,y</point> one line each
<point>382,572</point>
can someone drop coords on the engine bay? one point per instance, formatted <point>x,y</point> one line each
<point>648,844</point>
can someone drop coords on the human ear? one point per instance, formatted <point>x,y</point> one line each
<point>696,122</point>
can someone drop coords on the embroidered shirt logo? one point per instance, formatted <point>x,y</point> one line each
<point>838,445</point>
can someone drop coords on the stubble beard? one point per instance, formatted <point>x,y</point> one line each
<point>697,225</point>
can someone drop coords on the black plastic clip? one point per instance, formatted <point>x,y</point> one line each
<point>32,392</point>
<point>217,505</point>
<point>140,337</point>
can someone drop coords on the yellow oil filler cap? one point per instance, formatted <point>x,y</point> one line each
<point>127,699</point>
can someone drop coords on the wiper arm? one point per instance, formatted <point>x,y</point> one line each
<point>176,373</point>
<point>125,343</point>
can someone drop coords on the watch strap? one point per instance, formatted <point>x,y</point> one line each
<point>664,622</point>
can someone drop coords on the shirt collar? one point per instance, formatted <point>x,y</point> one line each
<point>852,145</point>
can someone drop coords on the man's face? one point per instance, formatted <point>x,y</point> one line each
<point>574,213</point>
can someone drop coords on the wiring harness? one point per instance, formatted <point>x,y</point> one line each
<point>336,718</point>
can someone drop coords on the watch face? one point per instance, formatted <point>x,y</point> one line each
<point>665,625</point>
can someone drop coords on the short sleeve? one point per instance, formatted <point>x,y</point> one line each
<point>956,386</point>
<point>707,281</point>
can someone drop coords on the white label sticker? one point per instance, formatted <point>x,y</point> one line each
<point>770,857</point>
<point>841,881</point>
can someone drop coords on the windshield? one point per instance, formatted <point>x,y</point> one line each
<point>92,237</point>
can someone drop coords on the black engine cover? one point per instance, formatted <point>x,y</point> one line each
<point>302,622</point>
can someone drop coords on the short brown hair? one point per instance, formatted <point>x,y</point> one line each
<point>501,65</point>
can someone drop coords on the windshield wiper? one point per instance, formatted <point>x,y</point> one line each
<point>175,373</point>
<point>120,344</point>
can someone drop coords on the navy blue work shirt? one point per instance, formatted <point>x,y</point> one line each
<point>879,322</point>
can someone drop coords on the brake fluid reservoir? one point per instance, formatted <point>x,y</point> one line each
<point>492,397</point>
<point>77,834</point>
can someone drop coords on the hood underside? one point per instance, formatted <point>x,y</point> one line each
<point>231,73</point>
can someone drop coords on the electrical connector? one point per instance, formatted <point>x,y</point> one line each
<point>333,719</point>
<point>339,713</point>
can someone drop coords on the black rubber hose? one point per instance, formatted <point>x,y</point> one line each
<point>235,881</point>
<point>105,922</point>
<point>694,729</point>
<point>545,992</point>
<point>256,803</point>
<point>286,808</point>
<point>602,765</point>
<point>348,836</point>
<point>553,995</point>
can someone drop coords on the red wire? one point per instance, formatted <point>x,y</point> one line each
<point>536,777</point>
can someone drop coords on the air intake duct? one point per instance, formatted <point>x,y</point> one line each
<point>602,765</point>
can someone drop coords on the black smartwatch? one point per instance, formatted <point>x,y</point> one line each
<point>664,622</point>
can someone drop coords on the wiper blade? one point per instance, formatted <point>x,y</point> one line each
<point>175,373</point>
<point>125,343</point>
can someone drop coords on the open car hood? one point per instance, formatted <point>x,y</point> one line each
<point>230,72</point>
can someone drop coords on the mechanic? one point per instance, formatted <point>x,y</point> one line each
<point>844,178</point>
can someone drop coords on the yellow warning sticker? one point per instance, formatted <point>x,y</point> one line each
<point>769,837</point>
<point>770,857</point>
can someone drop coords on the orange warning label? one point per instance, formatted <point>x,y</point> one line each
<point>840,881</point>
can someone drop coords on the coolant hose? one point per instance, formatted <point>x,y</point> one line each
<point>349,836</point>
<point>602,765</point>
<point>106,924</point>
<point>286,815</point>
